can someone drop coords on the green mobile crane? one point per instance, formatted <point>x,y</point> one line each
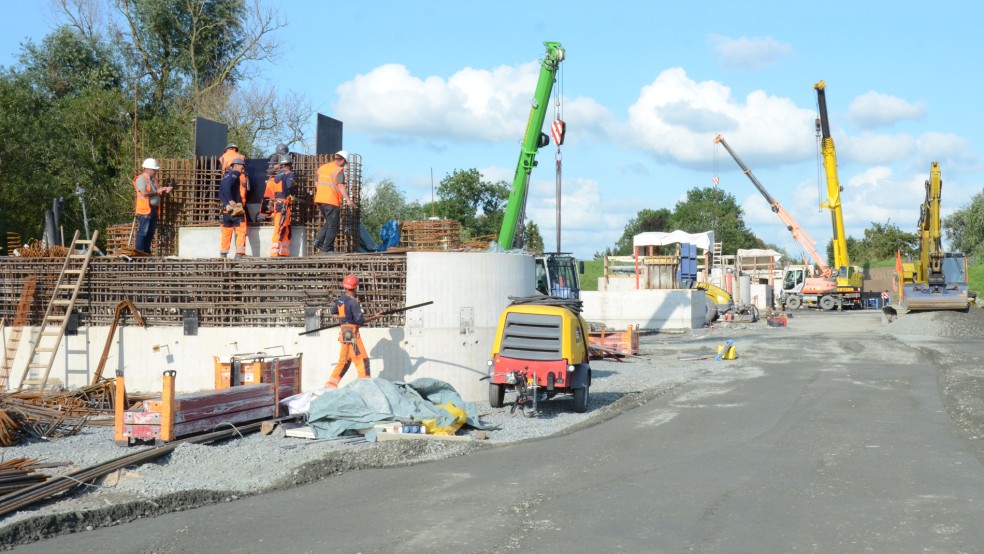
<point>850,279</point>
<point>533,140</point>
<point>556,273</point>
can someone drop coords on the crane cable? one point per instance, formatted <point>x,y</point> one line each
<point>558,116</point>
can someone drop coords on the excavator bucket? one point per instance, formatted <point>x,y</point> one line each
<point>920,297</point>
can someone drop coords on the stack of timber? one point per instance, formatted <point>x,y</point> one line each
<point>259,292</point>
<point>172,417</point>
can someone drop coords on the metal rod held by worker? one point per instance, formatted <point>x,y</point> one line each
<point>380,314</point>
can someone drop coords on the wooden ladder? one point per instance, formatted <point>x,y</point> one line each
<point>17,329</point>
<point>55,320</point>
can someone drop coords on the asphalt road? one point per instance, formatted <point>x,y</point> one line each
<point>825,437</point>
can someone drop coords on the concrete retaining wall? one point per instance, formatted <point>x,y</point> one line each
<point>649,309</point>
<point>203,242</point>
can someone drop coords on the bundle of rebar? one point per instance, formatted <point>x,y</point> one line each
<point>120,236</point>
<point>430,234</point>
<point>38,249</point>
<point>22,418</point>
<point>20,473</point>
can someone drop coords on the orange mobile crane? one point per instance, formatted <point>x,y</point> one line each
<point>800,286</point>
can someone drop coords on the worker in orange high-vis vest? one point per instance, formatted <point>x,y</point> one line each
<point>231,153</point>
<point>329,191</point>
<point>233,210</point>
<point>148,203</point>
<point>349,311</point>
<point>277,199</point>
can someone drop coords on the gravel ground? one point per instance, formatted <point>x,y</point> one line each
<point>195,475</point>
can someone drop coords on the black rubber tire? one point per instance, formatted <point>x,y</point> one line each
<point>581,400</point>
<point>712,310</point>
<point>827,303</point>
<point>497,394</point>
<point>794,302</point>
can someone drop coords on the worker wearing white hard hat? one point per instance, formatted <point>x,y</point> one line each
<point>329,191</point>
<point>146,209</point>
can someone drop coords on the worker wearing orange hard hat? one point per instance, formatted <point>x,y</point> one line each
<point>233,209</point>
<point>329,191</point>
<point>231,153</point>
<point>349,311</point>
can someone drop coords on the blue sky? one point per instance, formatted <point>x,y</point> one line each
<point>437,86</point>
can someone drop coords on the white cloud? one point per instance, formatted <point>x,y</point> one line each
<point>589,222</point>
<point>873,109</point>
<point>676,118</point>
<point>472,105</point>
<point>873,148</point>
<point>749,53</point>
<point>945,147</point>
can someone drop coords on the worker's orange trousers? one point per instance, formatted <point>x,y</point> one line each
<point>280,243</point>
<point>353,351</point>
<point>240,239</point>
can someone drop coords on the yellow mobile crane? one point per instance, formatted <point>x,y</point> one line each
<point>850,279</point>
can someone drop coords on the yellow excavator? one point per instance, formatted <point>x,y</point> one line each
<point>938,280</point>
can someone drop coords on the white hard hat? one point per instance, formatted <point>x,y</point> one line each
<point>343,154</point>
<point>150,163</point>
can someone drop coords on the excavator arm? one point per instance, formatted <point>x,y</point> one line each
<point>533,139</point>
<point>792,225</point>
<point>931,255</point>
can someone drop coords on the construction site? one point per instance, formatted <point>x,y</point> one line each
<point>132,381</point>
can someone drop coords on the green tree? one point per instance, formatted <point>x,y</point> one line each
<point>478,205</point>
<point>645,221</point>
<point>384,202</point>
<point>532,240</point>
<point>964,228</point>
<point>854,251</point>
<point>882,240</point>
<point>710,209</point>
<point>65,125</point>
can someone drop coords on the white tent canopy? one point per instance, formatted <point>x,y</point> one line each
<point>657,238</point>
<point>759,253</point>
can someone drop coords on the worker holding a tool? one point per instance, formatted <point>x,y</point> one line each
<point>277,198</point>
<point>148,202</point>
<point>329,191</point>
<point>231,153</point>
<point>348,310</point>
<point>233,209</point>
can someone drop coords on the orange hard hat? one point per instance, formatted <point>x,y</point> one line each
<point>350,282</point>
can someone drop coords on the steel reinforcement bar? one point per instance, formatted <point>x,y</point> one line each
<point>261,292</point>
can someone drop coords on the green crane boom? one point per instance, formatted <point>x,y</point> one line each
<point>532,140</point>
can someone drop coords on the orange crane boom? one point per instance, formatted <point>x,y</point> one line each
<point>800,234</point>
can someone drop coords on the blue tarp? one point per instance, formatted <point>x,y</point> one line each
<point>365,402</point>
